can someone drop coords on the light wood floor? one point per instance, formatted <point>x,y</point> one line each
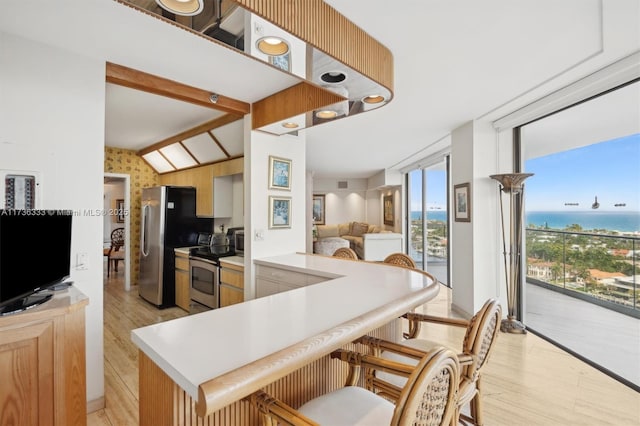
<point>528,381</point>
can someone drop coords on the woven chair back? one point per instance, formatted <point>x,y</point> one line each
<point>117,238</point>
<point>345,253</point>
<point>400,259</point>
<point>429,397</point>
<point>480,336</point>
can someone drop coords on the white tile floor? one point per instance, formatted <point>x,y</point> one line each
<point>601,335</point>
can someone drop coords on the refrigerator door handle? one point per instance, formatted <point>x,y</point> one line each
<point>145,232</point>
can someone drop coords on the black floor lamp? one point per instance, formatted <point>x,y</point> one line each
<point>512,184</point>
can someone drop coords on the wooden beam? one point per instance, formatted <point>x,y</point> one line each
<point>204,127</point>
<point>189,152</point>
<point>210,163</point>
<point>128,77</point>
<point>298,99</point>
<point>219,144</point>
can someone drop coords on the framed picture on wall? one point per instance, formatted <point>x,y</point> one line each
<point>318,209</point>
<point>462,203</point>
<point>279,173</point>
<point>120,211</point>
<point>279,212</point>
<point>387,203</point>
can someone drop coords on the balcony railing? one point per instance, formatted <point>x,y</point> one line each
<point>599,268</point>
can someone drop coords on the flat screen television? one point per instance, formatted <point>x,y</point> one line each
<point>35,254</point>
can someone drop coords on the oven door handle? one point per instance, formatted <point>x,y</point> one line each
<point>195,260</point>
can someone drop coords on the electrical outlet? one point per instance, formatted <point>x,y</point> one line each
<point>259,235</point>
<point>82,261</point>
<point>257,28</point>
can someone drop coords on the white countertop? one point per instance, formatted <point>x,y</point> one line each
<point>234,260</point>
<point>195,349</point>
<point>183,250</point>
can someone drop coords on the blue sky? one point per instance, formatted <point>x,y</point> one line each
<point>436,190</point>
<point>609,170</point>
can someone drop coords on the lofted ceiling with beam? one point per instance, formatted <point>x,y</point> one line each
<point>153,98</point>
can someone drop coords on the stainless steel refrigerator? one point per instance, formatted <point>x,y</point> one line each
<point>168,220</point>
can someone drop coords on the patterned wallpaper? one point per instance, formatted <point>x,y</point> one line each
<point>117,160</point>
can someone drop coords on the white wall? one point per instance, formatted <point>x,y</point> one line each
<point>52,121</point>
<point>343,205</point>
<point>462,279</point>
<point>374,207</point>
<point>474,244</point>
<point>258,147</point>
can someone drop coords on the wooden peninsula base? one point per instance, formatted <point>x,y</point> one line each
<point>164,403</point>
<point>196,370</point>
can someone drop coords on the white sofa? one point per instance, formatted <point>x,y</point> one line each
<point>370,242</point>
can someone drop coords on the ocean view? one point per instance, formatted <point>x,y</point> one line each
<point>615,221</point>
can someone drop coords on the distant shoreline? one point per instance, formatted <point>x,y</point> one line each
<point>615,221</point>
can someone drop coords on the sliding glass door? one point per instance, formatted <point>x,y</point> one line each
<point>428,227</point>
<point>582,218</point>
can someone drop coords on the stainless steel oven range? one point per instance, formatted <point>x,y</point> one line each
<point>204,274</point>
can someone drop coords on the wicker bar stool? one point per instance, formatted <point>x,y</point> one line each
<point>400,259</point>
<point>428,398</point>
<point>345,253</point>
<point>479,339</point>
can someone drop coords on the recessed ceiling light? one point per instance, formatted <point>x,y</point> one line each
<point>290,125</point>
<point>373,99</point>
<point>274,46</point>
<point>326,114</point>
<point>182,7</point>
<point>333,77</point>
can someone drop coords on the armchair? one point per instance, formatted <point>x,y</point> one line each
<point>480,335</point>
<point>428,397</point>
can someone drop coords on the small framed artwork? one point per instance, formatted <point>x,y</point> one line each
<point>281,61</point>
<point>279,212</point>
<point>462,203</point>
<point>318,209</point>
<point>279,173</point>
<point>120,211</point>
<point>387,202</point>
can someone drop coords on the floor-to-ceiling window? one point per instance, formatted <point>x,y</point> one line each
<point>582,220</point>
<point>428,227</point>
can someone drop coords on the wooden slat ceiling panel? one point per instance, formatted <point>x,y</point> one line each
<point>295,100</point>
<point>323,27</point>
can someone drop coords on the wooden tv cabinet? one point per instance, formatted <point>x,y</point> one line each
<point>42,363</point>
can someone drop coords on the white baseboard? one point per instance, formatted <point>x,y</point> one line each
<point>458,310</point>
<point>95,405</point>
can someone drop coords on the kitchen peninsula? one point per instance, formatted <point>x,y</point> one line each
<point>206,363</point>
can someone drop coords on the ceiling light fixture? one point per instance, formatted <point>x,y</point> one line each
<point>182,7</point>
<point>273,46</point>
<point>214,98</point>
<point>326,114</point>
<point>333,77</point>
<point>290,125</point>
<point>373,99</point>
<point>337,109</point>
